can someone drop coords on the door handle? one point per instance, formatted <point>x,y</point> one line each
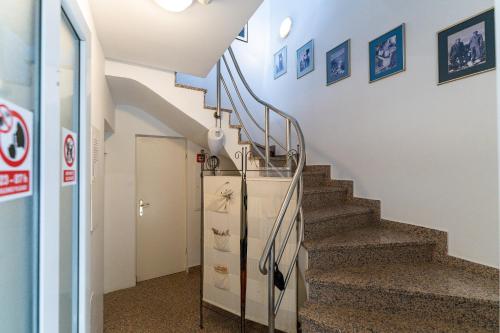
<point>143,205</point>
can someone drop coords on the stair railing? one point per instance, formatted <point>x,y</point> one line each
<point>268,260</point>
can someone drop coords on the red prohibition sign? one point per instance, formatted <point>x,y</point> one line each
<point>70,160</point>
<point>6,158</point>
<point>6,113</point>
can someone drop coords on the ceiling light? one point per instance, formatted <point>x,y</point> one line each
<point>174,5</point>
<point>285,27</point>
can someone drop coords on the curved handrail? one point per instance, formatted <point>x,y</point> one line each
<point>252,143</point>
<point>245,106</point>
<point>296,177</point>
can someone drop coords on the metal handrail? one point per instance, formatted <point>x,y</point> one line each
<point>296,176</point>
<point>243,125</point>
<point>268,254</point>
<point>245,106</point>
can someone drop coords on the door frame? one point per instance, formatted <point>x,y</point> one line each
<point>50,173</point>
<point>186,194</point>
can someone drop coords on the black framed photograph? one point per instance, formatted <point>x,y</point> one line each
<point>388,54</point>
<point>280,62</point>
<point>305,59</point>
<point>338,63</point>
<point>243,35</point>
<point>467,48</point>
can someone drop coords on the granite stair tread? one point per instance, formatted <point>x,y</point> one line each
<point>331,318</point>
<point>371,236</point>
<point>313,173</point>
<point>432,279</point>
<point>324,189</point>
<point>334,211</point>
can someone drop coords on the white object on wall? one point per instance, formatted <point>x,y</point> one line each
<point>215,140</point>
<point>285,27</point>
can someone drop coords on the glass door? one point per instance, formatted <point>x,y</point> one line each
<point>19,143</point>
<point>69,78</point>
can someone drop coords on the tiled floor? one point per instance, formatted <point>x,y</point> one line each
<point>166,304</point>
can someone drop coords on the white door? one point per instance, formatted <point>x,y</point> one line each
<point>161,221</point>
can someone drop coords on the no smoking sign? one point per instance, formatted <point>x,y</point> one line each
<point>69,158</point>
<point>16,151</point>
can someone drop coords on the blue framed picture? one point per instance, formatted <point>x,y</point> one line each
<point>387,54</point>
<point>280,62</point>
<point>305,59</point>
<point>467,48</point>
<point>243,35</point>
<point>338,63</point>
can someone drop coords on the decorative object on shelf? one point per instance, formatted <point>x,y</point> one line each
<point>243,35</point>
<point>213,163</point>
<point>280,62</point>
<point>285,27</point>
<point>467,48</point>
<point>221,277</point>
<point>387,54</point>
<point>305,59</point>
<point>338,63</point>
<point>221,240</point>
<point>215,140</point>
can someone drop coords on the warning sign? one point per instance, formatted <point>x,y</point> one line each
<point>16,152</point>
<point>69,157</point>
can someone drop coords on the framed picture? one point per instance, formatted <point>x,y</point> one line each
<point>467,48</point>
<point>305,59</point>
<point>280,62</point>
<point>387,54</point>
<point>243,35</point>
<point>338,63</point>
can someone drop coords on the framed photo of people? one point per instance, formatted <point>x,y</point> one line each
<point>387,54</point>
<point>280,62</point>
<point>467,48</point>
<point>305,59</point>
<point>338,63</point>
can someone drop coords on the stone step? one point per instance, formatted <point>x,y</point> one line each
<point>327,221</point>
<point>324,318</point>
<point>424,289</point>
<point>316,168</point>
<point>277,161</point>
<point>368,245</point>
<point>314,178</point>
<point>323,196</point>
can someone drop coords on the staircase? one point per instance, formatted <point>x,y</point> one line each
<point>364,274</point>
<point>371,275</point>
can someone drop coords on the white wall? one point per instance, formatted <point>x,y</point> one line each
<point>428,152</point>
<point>497,44</point>
<point>102,112</point>
<point>119,234</point>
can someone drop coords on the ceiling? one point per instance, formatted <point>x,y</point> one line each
<point>141,32</point>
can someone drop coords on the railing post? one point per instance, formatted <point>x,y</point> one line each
<point>266,139</point>
<point>288,137</point>
<point>218,91</point>
<point>270,290</point>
